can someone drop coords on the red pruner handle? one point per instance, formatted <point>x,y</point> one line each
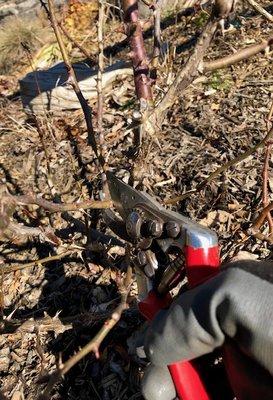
<point>201,264</point>
<point>187,381</point>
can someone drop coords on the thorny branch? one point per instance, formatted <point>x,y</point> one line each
<point>41,261</point>
<point>260,10</point>
<point>76,43</point>
<point>94,345</point>
<point>102,144</point>
<point>265,184</point>
<point>142,80</point>
<point>157,33</point>
<point>155,118</point>
<point>56,207</point>
<point>13,231</point>
<point>240,55</point>
<point>73,79</point>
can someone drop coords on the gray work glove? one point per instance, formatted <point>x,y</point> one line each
<point>235,308</point>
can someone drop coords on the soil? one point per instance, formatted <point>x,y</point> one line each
<point>221,115</point>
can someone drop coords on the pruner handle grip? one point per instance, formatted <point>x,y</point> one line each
<point>201,264</point>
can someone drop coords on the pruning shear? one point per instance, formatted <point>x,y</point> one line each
<point>168,247</point>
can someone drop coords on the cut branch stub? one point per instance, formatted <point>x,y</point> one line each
<point>138,54</point>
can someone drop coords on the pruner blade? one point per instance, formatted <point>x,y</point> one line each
<point>125,198</point>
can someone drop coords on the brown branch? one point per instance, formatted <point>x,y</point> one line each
<point>47,323</point>
<point>260,220</point>
<point>259,235</point>
<point>13,231</point>
<point>94,344</point>
<point>138,54</point>
<point>102,144</point>
<point>55,207</point>
<point>73,80</point>
<point>19,234</point>
<point>265,184</point>
<point>221,169</point>
<point>76,43</point>
<point>157,33</point>
<point>240,55</point>
<point>13,268</point>
<point>184,78</point>
<point>260,10</point>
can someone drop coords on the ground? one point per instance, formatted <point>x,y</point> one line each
<point>221,115</point>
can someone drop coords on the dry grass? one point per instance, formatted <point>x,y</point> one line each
<point>13,33</point>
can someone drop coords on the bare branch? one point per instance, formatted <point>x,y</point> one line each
<point>45,260</point>
<point>183,78</point>
<point>73,80</point>
<point>76,43</point>
<point>260,10</point>
<point>102,144</point>
<point>240,55</point>
<point>157,33</point>
<point>265,184</point>
<point>133,30</point>
<point>13,231</point>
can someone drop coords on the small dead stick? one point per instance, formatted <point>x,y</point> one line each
<point>223,168</point>
<point>265,199</point>
<point>13,268</point>
<point>260,10</point>
<point>242,54</point>
<point>260,220</point>
<point>94,344</point>
<point>73,79</point>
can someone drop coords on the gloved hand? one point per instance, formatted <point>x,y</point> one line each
<point>234,308</point>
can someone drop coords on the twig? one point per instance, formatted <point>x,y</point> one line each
<point>260,10</point>
<point>260,220</point>
<point>76,43</point>
<point>45,260</point>
<point>67,34</point>
<point>102,145</point>
<point>154,119</point>
<point>73,80</point>
<point>157,33</point>
<point>240,55</point>
<point>221,169</point>
<point>19,234</point>
<point>269,117</point>
<point>265,184</point>
<point>15,232</point>
<point>58,324</point>
<point>94,344</point>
